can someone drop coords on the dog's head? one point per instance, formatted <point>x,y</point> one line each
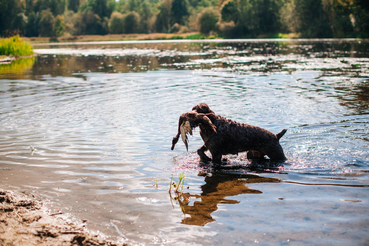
<point>190,120</point>
<point>202,108</point>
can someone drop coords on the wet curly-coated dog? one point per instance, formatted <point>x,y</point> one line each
<point>223,136</point>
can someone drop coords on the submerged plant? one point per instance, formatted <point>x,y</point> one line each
<point>176,193</point>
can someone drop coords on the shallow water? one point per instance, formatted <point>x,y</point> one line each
<point>90,128</point>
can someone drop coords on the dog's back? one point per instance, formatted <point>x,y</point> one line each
<point>233,137</point>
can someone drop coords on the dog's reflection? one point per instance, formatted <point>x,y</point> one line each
<point>216,190</point>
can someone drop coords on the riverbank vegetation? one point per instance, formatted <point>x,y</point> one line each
<point>120,37</point>
<point>218,18</point>
<point>15,46</point>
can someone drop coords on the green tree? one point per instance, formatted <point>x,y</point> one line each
<point>57,7</point>
<point>20,23</point>
<point>132,5</point>
<point>73,5</point>
<point>46,23</point>
<point>162,23</point>
<point>8,10</point>
<point>314,21</point>
<point>207,20</point>
<point>29,6</point>
<point>146,14</point>
<point>268,15</point>
<point>40,5</point>
<point>239,18</point>
<point>229,11</point>
<point>339,12</point>
<point>289,22</point>
<point>32,28</point>
<point>179,12</point>
<point>59,26</point>
<point>227,29</point>
<point>92,24</point>
<point>360,17</point>
<point>69,22</point>
<point>251,17</point>
<point>116,23</point>
<point>103,8</point>
<point>131,22</point>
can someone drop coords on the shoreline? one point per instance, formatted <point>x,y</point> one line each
<point>110,37</point>
<point>165,37</point>
<point>9,58</point>
<point>24,219</point>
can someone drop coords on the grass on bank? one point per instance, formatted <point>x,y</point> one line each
<point>15,46</point>
<point>118,37</point>
<point>143,36</point>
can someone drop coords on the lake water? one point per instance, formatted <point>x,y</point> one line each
<point>89,127</point>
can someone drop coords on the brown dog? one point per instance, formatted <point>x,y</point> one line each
<point>223,136</point>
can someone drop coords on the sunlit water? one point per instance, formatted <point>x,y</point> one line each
<point>89,127</point>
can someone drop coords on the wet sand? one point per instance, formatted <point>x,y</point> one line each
<point>25,220</point>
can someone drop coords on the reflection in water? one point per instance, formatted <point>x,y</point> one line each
<point>340,57</point>
<point>16,68</point>
<point>217,187</point>
<point>355,96</point>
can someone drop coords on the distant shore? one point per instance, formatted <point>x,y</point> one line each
<point>25,220</point>
<point>115,37</point>
<point>164,37</point>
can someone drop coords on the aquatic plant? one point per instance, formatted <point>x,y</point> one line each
<point>177,186</point>
<point>176,192</point>
<point>15,46</point>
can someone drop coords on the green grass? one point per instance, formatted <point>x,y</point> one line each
<point>177,186</point>
<point>196,36</point>
<point>15,46</point>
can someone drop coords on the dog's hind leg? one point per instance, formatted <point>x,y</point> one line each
<point>201,153</point>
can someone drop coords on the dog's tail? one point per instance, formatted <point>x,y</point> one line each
<point>279,135</point>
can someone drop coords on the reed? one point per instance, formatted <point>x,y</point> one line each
<point>177,186</point>
<point>15,46</point>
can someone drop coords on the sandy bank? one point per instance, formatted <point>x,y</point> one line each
<point>24,220</point>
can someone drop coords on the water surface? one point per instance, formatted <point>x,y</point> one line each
<point>90,128</point>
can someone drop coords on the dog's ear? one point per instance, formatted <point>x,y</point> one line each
<point>207,122</point>
<point>200,118</point>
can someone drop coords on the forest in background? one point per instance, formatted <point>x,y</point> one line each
<point>217,18</point>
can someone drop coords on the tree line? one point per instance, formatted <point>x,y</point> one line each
<point>224,18</point>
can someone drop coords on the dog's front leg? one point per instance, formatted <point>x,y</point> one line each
<point>201,153</point>
<point>216,157</point>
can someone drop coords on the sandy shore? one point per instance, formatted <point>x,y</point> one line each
<point>25,220</point>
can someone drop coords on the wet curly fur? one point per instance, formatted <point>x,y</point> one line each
<point>232,137</point>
